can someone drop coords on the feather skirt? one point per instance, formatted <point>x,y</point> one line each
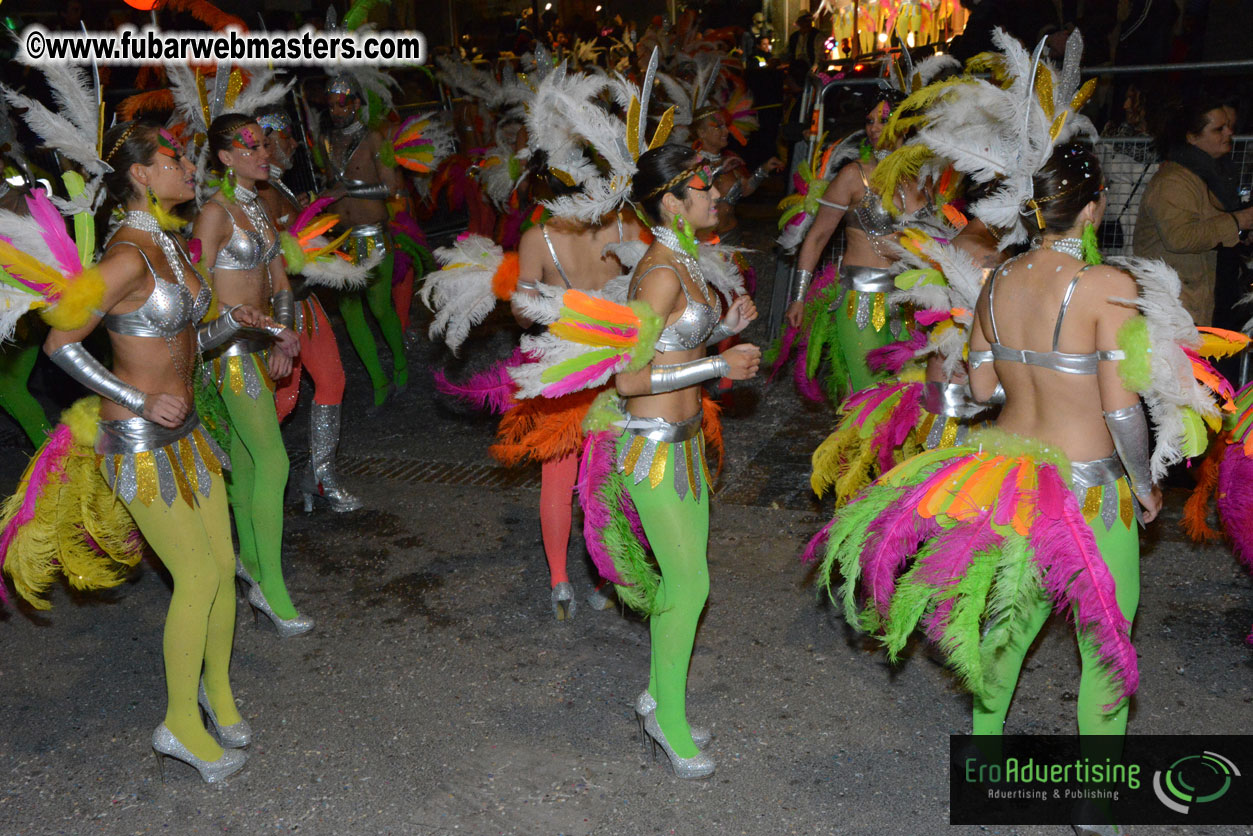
<point>957,541</point>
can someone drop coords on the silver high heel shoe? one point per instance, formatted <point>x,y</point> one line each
<point>165,743</point>
<point>243,580</point>
<point>564,604</point>
<point>699,765</point>
<point>646,705</point>
<point>236,735</point>
<point>286,627</point>
<point>598,600</point>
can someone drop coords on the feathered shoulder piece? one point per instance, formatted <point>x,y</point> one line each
<point>810,182</point>
<point>419,144</point>
<point>43,268</point>
<point>475,274</point>
<point>1165,364</point>
<point>942,283</point>
<point>308,252</point>
<point>592,340</point>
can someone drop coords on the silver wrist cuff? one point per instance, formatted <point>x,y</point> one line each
<point>800,284</point>
<point>758,177</point>
<point>682,375</point>
<point>1130,432</point>
<point>719,333</point>
<point>284,304</point>
<point>975,359</point>
<point>78,363</point>
<point>212,334</point>
<point>998,395</point>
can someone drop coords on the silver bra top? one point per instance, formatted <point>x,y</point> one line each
<point>1058,361</point>
<point>694,325</point>
<point>246,249</point>
<point>168,309</point>
<point>869,215</point>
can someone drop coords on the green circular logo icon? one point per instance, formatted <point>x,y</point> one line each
<point>1194,779</point>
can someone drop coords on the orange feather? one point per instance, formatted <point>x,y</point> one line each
<point>711,424</point>
<point>505,279</point>
<point>599,309</point>
<point>542,429</point>
<point>1195,519</point>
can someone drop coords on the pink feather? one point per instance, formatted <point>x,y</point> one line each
<point>491,389</point>
<point>927,318</point>
<point>786,345</point>
<point>1078,580</point>
<point>1007,497</point>
<point>511,229</point>
<point>893,357</point>
<point>49,464</point>
<point>582,379</point>
<point>307,214</point>
<point>894,536</point>
<point>52,229</point>
<point>1235,501</point>
<point>606,330</point>
<point>594,473</point>
<point>867,400</point>
<point>404,223</point>
<point>899,423</point>
<point>816,543</point>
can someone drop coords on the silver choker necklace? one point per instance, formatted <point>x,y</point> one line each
<point>243,195</point>
<point>1072,247</point>
<point>669,239</point>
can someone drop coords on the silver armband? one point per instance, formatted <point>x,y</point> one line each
<point>831,204</point>
<point>373,191</point>
<point>977,358</point>
<point>733,195</point>
<point>78,363</point>
<point>284,304</point>
<point>213,333</point>
<point>683,375</point>
<point>800,284</point>
<point>1130,432</point>
<point>758,177</point>
<point>719,333</point>
<point>997,397</point>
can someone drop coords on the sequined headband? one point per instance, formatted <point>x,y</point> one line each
<point>121,140</point>
<point>274,122</point>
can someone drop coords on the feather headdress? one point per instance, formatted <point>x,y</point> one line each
<point>693,100</point>
<point>1002,130</point>
<point>565,119</point>
<point>75,129</point>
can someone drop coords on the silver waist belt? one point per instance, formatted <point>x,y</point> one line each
<point>661,430</point>
<point>1093,474</point>
<point>242,346</point>
<point>138,435</point>
<point>367,231</point>
<point>952,400</point>
<point>867,279</point>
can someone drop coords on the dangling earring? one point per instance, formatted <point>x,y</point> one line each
<point>228,184</point>
<point>1091,250</point>
<point>687,235</point>
<point>167,221</point>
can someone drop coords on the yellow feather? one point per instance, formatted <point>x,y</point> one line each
<point>664,126</point>
<point>633,128</point>
<point>902,164</point>
<point>1044,90</point>
<point>1083,94</point>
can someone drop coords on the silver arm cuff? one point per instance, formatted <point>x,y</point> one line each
<point>977,358</point>
<point>733,195</point>
<point>719,333</point>
<point>284,304</point>
<point>682,375</point>
<point>374,191</point>
<point>997,397</point>
<point>212,334</point>
<point>1130,432</point>
<point>800,284</point>
<point>78,363</point>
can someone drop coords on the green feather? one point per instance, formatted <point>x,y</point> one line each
<point>961,638</point>
<point>574,365</point>
<point>292,253</point>
<point>387,155</point>
<point>604,412</point>
<point>1195,435</point>
<point>846,541</point>
<point>212,410</point>
<point>1016,595</point>
<point>911,601</point>
<point>646,341</point>
<point>1135,368</point>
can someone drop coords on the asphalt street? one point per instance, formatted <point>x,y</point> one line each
<point>438,696</point>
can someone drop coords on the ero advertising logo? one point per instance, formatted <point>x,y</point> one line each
<point>1194,779</point>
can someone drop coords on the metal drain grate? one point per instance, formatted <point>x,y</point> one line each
<point>442,473</point>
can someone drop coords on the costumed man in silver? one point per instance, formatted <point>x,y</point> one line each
<point>362,185</point>
<point>319,351</point>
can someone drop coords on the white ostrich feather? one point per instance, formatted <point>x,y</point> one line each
<point>720,271</point>
<point>262,91</point>
<point>1173,385</point>
<point>460,294</point>
<point>542,305</point>
<point>337,274</point>
<point>27,236</point>
<point>14,304</point>
<point>58,132</point>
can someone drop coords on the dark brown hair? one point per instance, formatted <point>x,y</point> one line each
<point>1069,181</point>
<point>657,168</point>
<point>126,144</point>
<point>221,134</point>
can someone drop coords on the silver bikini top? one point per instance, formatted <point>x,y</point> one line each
<point>695,324</point>
<point>246,249</point>
<point>1058,361</point>
<point>561,271</point>
<point>869,215</point>
<point>170,307</point>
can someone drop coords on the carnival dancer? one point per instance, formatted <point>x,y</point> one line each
<point>977,544</point>
<point>319,351</point>
<point>362,185</point>
<point>17,360</point>
<point>240,254</point>
<point>152,466</point>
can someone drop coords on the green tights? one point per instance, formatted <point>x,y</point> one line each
<point>194,544</point>
<point>1120,547</point>
<point>855,343</point>
<point>378,295</point>
<point>257,480</point>
<point>16,364</point>
<point>678,531</point>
